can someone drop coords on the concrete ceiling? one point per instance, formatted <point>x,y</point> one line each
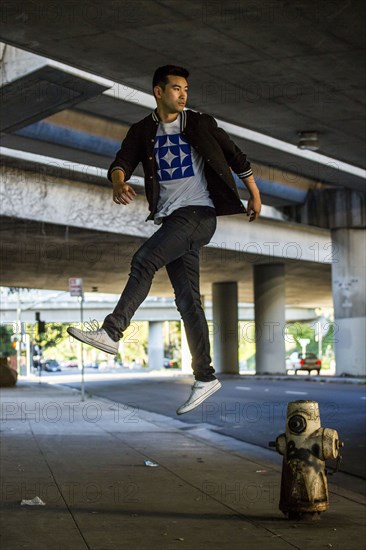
<point>274,67</point>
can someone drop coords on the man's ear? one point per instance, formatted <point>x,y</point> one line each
<point>157,91</point>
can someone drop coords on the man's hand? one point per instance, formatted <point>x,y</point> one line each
<point>123,193</point>
<point>254,207</point>
<point>254,203</point>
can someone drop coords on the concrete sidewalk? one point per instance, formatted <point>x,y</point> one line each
<point>86,461</point>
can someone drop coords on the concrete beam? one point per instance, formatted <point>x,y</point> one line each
<point>59,227</point>
<point>49,199</point>
<point>35,87</point>
<point>63,311</point>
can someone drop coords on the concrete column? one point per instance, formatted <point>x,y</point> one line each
<point>225,327</point>
<point>185,353</point>
<point>348,286</point>
<point>269,310</point>
<point>156,344</point>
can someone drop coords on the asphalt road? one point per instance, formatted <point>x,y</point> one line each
<point>252,410</point>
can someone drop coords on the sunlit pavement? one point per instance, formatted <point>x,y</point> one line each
<point>70,375</point>
<point>64,377</point>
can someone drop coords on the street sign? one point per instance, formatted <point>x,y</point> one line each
<point>303,343</point>
<point>76,289</point>
<point>75,286</point>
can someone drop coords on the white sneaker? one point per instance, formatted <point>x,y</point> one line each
<point>97,338</point>
<point>200,392</point>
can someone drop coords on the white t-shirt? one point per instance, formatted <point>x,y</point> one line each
<point>180,171</point>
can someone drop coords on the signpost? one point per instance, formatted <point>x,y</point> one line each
<point>304,342</point>
<point>76,289</point>
<point>319,339</point>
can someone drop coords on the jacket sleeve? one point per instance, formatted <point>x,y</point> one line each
<point>128,157</point>
<point>235,158</point>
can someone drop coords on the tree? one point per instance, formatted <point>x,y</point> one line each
<point>6,347</point>
<point>298,331</point>
<point>54,334</point>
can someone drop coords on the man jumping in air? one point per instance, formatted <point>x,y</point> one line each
<point>187,161</point>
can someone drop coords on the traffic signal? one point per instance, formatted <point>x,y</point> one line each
<point>14,342</point>
<point>41,325</point>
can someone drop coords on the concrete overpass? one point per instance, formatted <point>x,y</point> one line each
<point>59,307</point>
<point>59,225</point>
<point>77,110</point>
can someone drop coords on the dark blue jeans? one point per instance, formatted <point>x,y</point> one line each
<point>176,245</point>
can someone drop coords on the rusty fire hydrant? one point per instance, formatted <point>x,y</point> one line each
<point>305,447</point>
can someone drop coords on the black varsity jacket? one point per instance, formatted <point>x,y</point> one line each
<point>219,152</point>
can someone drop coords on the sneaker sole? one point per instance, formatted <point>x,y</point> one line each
<point>83,338</point>
<point>200,399</point>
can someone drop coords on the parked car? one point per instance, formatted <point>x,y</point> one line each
<point>92,366</point>
<point>50,365</point>
<point>71,364</point>
<point>303,361</point>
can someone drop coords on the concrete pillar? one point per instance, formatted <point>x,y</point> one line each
<point>155,347</point>
<point>333,207</point>
<point>269,310</point>
<point>186,357</point>
<point>348,285</point>
<point>225,327</point>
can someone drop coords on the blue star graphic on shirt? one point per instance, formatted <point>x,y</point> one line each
<point>173,157</point>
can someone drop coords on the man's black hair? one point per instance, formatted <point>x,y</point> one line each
<point>161,74</point>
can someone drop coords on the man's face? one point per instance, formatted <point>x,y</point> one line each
<point>174,97</point>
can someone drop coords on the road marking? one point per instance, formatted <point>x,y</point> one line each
<point>363,397</point>
<point>267,389</point>
<point>297,392</point>
<point>242,388</point>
